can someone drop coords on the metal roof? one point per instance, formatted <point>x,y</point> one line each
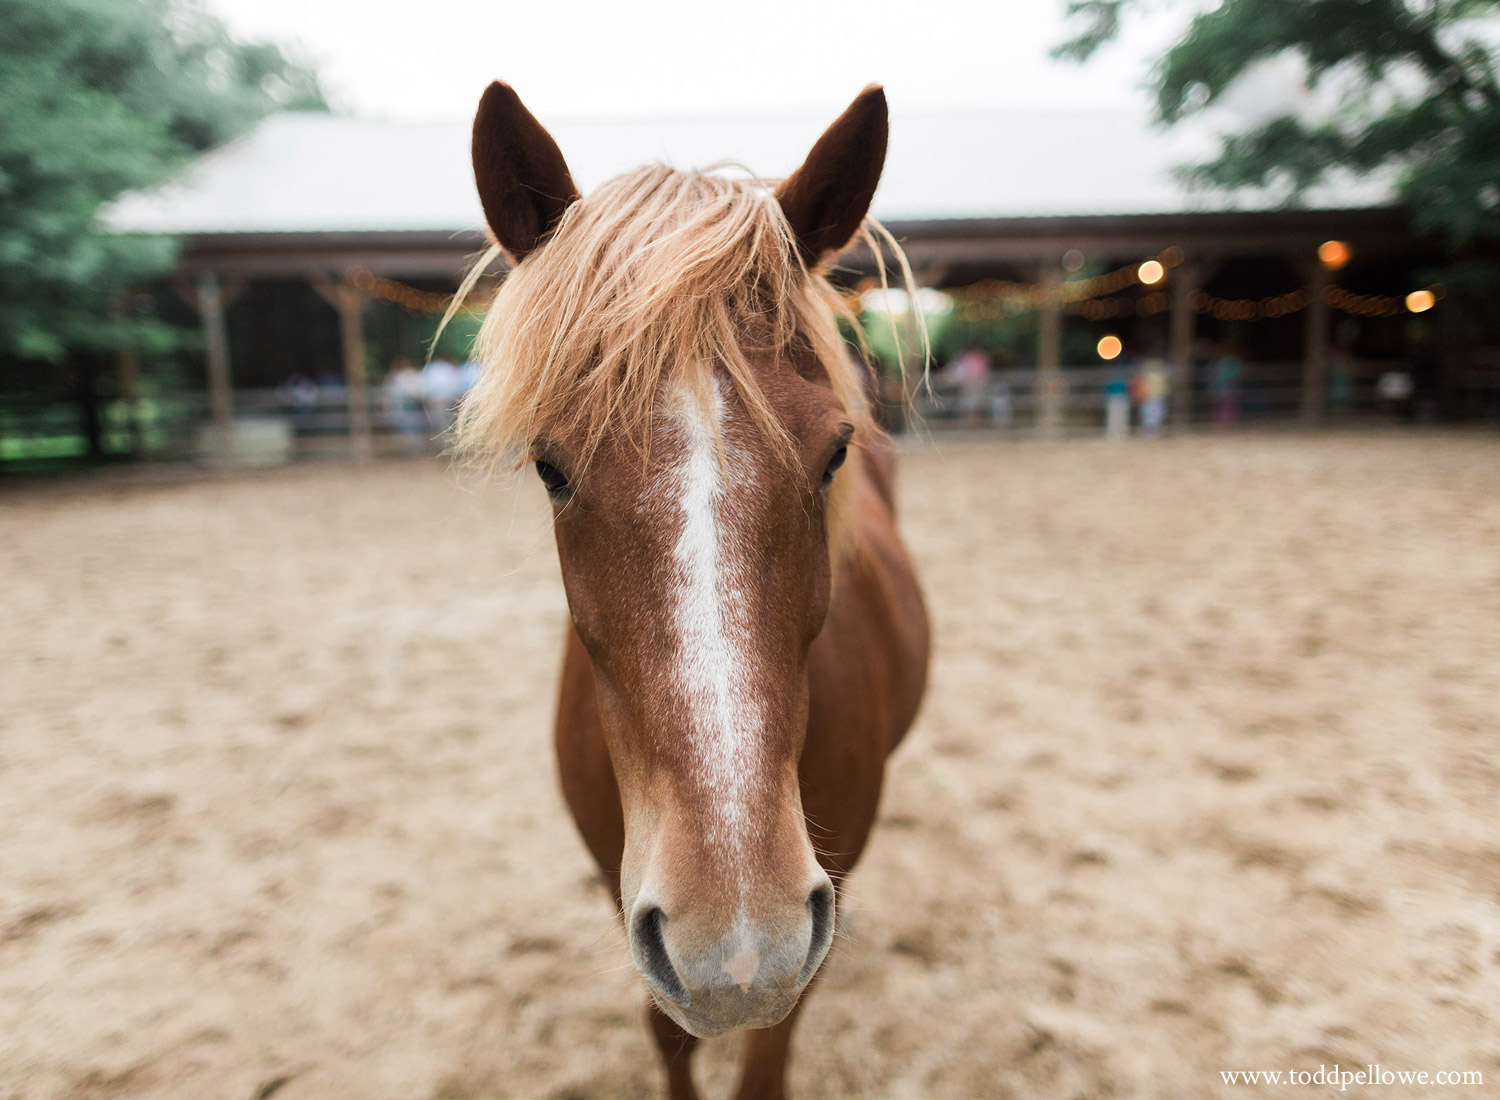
<point>317,173</point>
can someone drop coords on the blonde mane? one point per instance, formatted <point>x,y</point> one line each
<point>659,271</point>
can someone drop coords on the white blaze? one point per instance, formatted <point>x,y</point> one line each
<point>725,722</point>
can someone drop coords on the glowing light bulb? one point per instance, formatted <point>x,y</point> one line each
<point>1334,254</point>
<point>1420,301</point>
<point>1109,347</point>
<point>1151,272</point>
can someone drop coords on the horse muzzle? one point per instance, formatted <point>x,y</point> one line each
<point>748,977</point>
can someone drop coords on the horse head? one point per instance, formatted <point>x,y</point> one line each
<point>665,352</point>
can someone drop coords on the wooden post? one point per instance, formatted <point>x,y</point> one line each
<point>1049,382</point>
<point>210,303</point>
<point>934,274</point>
<point>1315,348</point>
<point>349,302</point>
<point>1184,282</point>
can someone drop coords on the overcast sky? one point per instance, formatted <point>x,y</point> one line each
<point>584,58</point>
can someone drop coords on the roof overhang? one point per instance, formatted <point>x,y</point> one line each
<point>932,245</point>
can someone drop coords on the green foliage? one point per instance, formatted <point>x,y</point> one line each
<point>1098,21</point>
<point>1418,86</point>
<point>98,97</point>
<point>1012,336</point>
<point>455,342</point>
<point>892,344</point>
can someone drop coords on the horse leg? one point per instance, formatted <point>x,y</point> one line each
<point>676,1048</point>
<point>763,1067</point>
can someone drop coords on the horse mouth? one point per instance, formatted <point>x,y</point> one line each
<point>726,1010</point>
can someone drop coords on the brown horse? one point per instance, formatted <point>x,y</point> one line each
<point>748,640</point>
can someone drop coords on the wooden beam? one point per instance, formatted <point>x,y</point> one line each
<point>232,289</point>
<point>1315,347</point>
<point>210,305</point>
<point>1182,324</point>
<point>348,302</point>
<point>1049,380</point>
<point>933,275</point>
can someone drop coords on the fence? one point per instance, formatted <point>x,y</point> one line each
<point>1267,392</point>
<point>314,420</point>
<point>314,423</point>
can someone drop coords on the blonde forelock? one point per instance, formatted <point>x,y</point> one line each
<point>659,272</point>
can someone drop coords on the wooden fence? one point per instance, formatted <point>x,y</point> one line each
<point>1267,391</point>
<point>315,421</point>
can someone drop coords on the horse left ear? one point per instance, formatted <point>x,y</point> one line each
<point>524,183</point>
<point>828,197</point>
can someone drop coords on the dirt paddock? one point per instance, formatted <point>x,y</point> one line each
<point>1207,779</point>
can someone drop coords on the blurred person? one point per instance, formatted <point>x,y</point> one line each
<point>1394,388</point>
<point>1340,380</point>
<point>1154,386</point>
<point>332,390</point>
<point>299,392</point>
<point>1424,369</point>
<point>442,388</point>
<point>1117,406</point>
<point>468,376</point>
<point>1224,375</point>
<point>970,375</point>
<point>1001,409</point>
<point>403,397</point>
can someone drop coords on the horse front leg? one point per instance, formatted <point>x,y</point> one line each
<point>676,1048</point>
<point>763,1067</point>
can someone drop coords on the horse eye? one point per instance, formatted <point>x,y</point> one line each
<point>552,478</point>
<point>833,464</point>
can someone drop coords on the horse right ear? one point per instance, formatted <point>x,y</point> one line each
<point>524,183</point>
<point>828,197</point>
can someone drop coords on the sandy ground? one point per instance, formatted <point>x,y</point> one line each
<point>1207,779</point>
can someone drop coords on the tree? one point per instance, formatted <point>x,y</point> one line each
<point>98,97</point>
<point>1416,82</point>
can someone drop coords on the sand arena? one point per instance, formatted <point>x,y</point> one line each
<point>1207,779</point>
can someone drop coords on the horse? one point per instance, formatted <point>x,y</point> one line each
<point>748,640</point>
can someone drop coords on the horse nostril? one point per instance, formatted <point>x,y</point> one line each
<point>820,905</point>
<point>652,955</point>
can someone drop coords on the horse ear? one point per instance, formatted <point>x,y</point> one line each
<point>524,183</point>
<point>828,197</point>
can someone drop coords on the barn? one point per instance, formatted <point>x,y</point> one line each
<point>317,251</point>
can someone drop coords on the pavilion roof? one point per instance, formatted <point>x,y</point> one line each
<point>317,173</point>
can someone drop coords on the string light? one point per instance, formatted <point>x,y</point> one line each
<point>998,297</point>
<point>1093,298</point>
<point>410,298</point>
<point>1420,301</point>
<point>1096,299</point>
<point>1250,309</point>
<point>1109,347</point>
<point>1334,254</point>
